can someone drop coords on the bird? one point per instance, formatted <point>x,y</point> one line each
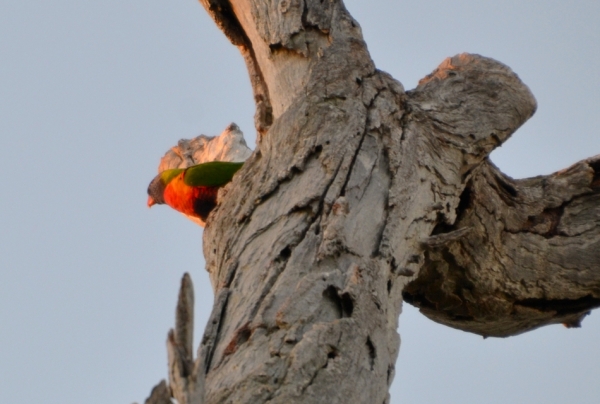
<point>192,190</point>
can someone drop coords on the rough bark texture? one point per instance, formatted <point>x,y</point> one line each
<point>530,257</point>
<point>360,193</point>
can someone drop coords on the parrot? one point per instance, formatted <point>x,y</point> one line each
<point>192,190</point>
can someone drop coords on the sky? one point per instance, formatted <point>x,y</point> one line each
<point>93,93</point>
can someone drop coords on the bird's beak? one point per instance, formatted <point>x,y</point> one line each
<point>151,201</point>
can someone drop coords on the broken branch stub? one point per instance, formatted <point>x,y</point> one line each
<point>230,145</point>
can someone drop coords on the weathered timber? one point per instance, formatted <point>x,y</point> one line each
<point>360,194</point>
<point>531,258</point>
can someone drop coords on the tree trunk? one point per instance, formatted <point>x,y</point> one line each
<point>361,194</point>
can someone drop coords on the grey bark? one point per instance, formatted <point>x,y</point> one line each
<point>360,194</point>
<point>530,257</point>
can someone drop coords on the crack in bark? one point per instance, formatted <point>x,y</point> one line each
<point>562,306</point>
<point>222,13</point>
<point>386,213</point>
<point>284,257</point>
<point>221,306</point>
<point>282,261</point>
<point>231,273</point>
<point>263,117</point>
<point>595,165</point>
<point>354,157</point>
<point>372,352</point>
<point>343,303</point>
<point>321,206</point>
<point>313,153</point>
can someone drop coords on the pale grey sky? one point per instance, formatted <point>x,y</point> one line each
<point>93,93</point>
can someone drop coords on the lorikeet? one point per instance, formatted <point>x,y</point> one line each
<point>193,190</point>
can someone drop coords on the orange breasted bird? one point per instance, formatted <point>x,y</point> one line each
<point>193,190</point>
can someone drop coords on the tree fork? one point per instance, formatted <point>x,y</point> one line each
<point>360,193</point>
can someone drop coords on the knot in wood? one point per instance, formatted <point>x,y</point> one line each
<point>284,6</point>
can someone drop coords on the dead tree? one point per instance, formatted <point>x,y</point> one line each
<point>361,195</point>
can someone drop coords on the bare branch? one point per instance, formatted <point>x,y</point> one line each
<point>186,383</point>
<point>472,103</point>
<point>532,258</point>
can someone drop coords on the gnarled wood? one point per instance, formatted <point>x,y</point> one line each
<point>361,193</point>
<point>531,258</point>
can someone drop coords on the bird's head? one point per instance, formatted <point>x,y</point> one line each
<point>156,189</point>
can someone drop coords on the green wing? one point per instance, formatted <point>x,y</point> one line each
<point>213,174</point>
<point>167,175</point>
